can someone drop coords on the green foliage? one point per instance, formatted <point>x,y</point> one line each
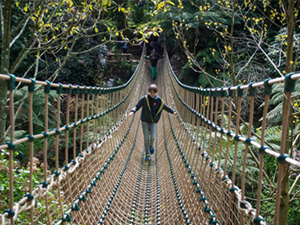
<point>277,49</point>
<point>121,70</point>
<point>21,179</point>
<point>86,69</point>
<point>294,213</point>
<point>140,15</point>
<point>274,116</point>
<point>21,119</point>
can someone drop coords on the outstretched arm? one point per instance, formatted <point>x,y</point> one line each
<point>168,109</point>
<point>137,106</point>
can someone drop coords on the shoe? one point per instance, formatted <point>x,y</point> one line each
<point>147,157</point>
<point>151,150</point>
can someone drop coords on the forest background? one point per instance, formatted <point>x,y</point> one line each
<point>211,43</point>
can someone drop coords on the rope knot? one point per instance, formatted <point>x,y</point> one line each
<point>30,137</point>
<point>282,158</point>
<point>29,196</point>
<point>10,145</point>
<point>67,218</point>
<point>44,184</point>
<point>10,213</point>
<point>75,207</point>
<point>258,220</point>
<point>244,205</point>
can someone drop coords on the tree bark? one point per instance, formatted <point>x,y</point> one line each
<point>284,203</point>
<point>4,69</point>
<point>285,198</point>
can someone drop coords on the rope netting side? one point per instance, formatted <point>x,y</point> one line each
<point>212,120</point>
<point>90,115</point>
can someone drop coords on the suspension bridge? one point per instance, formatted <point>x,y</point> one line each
<point>195,176</point>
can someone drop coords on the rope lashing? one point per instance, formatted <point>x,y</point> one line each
<point>10,213</point>
<point>45,134</point>
<point>289,84</point>
<point>29,197</point>
<point>67,218</point>
<point>56,173</point>
<point>258,221</point>
<point>75,207</point>
<point>57,131</point>
<point>282,158</point>
<point>252,90</point>
<point>44,184</point>
<point>31,86</point>
<point>268,86</point>
<point>59,89</point>
<point>30,137</point>
<point>11,83</point>
<point>10,145</point>
<point>244,206</point>
<point>212,220</point>
<point>82,197</point>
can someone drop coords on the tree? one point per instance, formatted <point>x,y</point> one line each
<point>38,35</point>
<point>42,29</point>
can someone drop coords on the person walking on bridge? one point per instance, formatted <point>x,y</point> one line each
<point>153,58</point>
<point>152,106</point>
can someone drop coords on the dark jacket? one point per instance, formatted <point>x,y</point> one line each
<point>154,60</point>
<point>151,113</point>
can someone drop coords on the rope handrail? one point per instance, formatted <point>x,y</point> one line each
<point>291,76</point>
<point>12,79</point>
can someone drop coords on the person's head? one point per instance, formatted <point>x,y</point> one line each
<point>152,90</point>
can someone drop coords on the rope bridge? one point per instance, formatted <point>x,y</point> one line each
<point>194,177</point>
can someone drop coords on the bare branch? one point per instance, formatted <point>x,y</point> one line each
<point>294,197</point>
<point>294,185</point>
<point>1,20</point>
<point>20,33</point>
<point>265,54</point>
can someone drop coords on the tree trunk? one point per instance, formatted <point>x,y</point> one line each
<point>5,54</point>
<point>284,203</point>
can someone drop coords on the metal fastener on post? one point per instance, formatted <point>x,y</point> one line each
<point>70,89</point>
<point>252,90</point>
<point>47,88</point>
<point>31,85</point>
<point>268,87</point>
<point>289,85</point>
<point>59,89</point>
<point>282,157</point>
<point>11,84</point>
<point>240,91</point>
